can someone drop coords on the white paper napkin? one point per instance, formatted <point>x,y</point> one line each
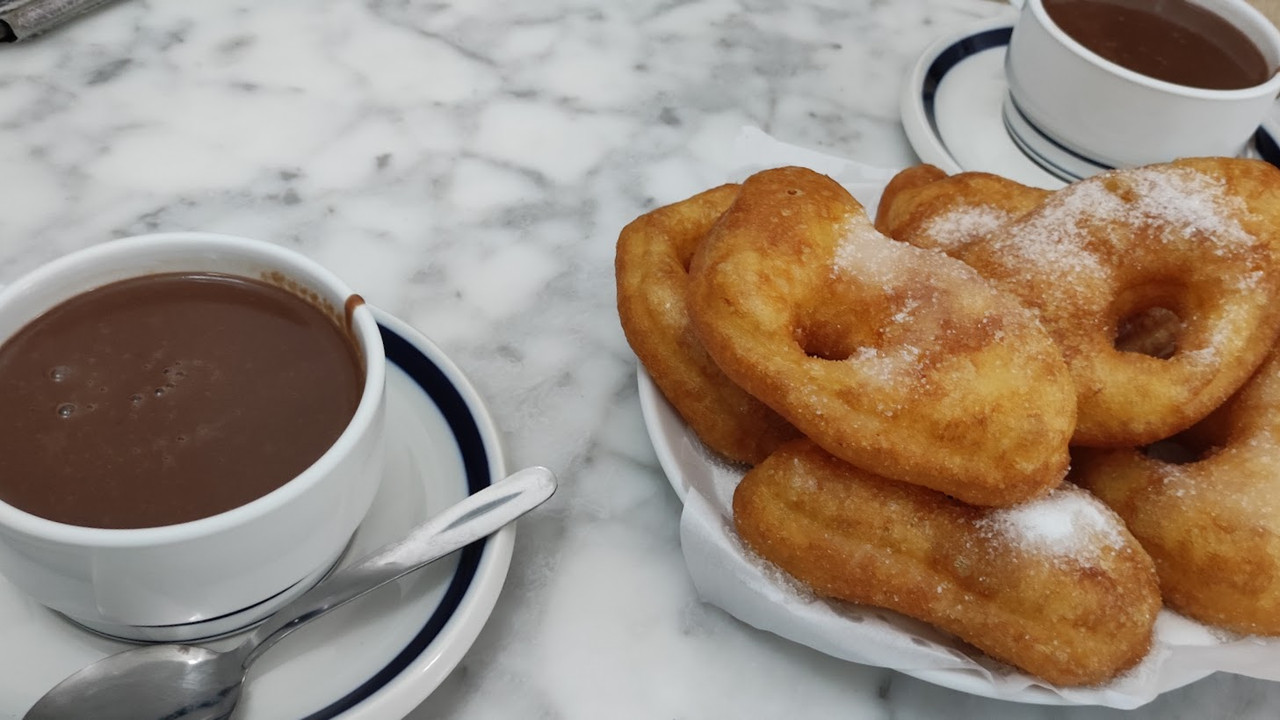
<point>728,575</point>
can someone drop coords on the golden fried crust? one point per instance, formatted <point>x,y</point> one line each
<point>1198,237</point>
<point>652,257</point>
<point>895,200</point>
<point>1056,587</point>
<point>899,360</point>
<point>1212,526</point>
<point>923,206</point>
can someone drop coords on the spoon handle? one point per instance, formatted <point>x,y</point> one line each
<point>474,518</point>
<point>23,19</point>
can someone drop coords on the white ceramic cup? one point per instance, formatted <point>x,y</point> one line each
<point>217,574</point>
<point>1086,113</point>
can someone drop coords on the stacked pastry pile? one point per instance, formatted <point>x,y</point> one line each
<point>908,414</point>
<point>1159,284</point>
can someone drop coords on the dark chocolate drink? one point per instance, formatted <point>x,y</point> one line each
<point>168,398</point>
<point>1172,40</point>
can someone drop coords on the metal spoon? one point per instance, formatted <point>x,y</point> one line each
<point>187,682</point>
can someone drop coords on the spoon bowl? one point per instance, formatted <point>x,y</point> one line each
<point>188,682</point>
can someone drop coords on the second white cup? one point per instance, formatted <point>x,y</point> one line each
<point>1077,113</point>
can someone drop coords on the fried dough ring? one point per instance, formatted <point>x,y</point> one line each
<point>1056,587</point>
<point>896,359</point>
<point>650,266</point>
<point>1199,238</point>
<point>1211,525</point>
<point>924,206</point>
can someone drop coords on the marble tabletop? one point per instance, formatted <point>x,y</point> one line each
<point>467,166</point>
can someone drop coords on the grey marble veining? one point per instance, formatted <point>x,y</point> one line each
<point>467,166</point>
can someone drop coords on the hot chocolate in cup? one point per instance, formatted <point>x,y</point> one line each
<point>1077,112</point>
<point>269,495</point>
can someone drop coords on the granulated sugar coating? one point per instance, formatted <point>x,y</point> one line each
<point>1168,204</point>
<point>965,224</point>
<point>898,365</point>
<point>1066,523</point>
<point>865,255</point>
<point>1188,203</point>
<point>924,207</point>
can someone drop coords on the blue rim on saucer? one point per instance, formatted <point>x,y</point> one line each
<point>951,56</point>
<point>1046,154</point>
<point>436,384</point>
<point>1057,159</point>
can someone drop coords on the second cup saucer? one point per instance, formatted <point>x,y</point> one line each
<point>952,110</point>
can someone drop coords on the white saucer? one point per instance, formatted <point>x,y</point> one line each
<point>382,655</point>
<point>952,111</point>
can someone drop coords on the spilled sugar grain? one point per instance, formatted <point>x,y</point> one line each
<point>1068,523</point>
